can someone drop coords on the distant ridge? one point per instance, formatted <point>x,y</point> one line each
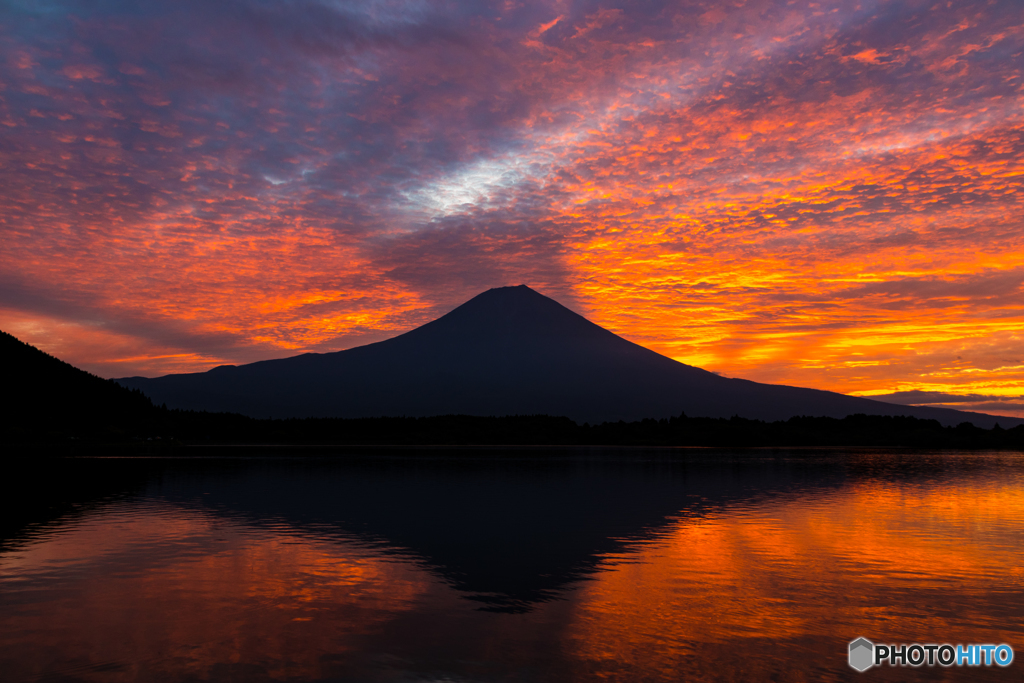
<point>507,351</point>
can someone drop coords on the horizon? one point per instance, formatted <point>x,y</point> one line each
<point>535,318</point>
<point>818,195</point>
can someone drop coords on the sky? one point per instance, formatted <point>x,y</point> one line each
<point>822,194</point>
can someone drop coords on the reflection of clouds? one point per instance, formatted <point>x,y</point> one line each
<point>793,575</point>
<point>756,189</point>
<point>179,593</point>
<point>774,577</point>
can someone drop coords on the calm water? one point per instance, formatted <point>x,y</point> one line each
<point>522,566</point>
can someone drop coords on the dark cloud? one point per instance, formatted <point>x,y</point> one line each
<point>458,258</point>
<point>917,397</point>
<point>977,403</point>
<point>1003,287</point>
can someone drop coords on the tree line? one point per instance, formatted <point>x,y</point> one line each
<point>52,402</point>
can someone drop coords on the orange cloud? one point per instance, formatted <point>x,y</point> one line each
<point>823,196</point>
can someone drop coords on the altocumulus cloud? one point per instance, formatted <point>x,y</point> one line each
<point>816,193</point>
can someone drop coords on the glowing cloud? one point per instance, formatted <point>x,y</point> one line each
<point>822,194</point>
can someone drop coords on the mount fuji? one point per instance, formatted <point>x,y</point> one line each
<point>507,351</point>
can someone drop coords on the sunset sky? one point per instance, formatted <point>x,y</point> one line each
<point>825,194</point>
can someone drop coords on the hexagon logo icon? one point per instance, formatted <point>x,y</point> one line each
<point>862,654</point>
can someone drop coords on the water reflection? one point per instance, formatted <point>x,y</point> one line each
<point>710,566</point>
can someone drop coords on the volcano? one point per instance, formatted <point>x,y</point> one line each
<point>507,351</point>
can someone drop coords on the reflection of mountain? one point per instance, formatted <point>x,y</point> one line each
<point>40,492</point>
<point>508,351</point>
<point>507,532</point>
<point>327,570</point>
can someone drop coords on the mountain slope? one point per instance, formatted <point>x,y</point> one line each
<point>507,351</point>
<point>49,398</point>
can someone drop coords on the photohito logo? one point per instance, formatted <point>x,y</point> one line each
<point>864,654</point>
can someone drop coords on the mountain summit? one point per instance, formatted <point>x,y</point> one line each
<point>507,351</point>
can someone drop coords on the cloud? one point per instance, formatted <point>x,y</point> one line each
<point>825,196</point>
<point>1012,406</point>
<point>917,397</point>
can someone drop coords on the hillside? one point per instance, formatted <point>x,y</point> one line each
<point>50,399</point>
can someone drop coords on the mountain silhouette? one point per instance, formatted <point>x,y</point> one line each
<point>50,398</point>
<point>507,351</point>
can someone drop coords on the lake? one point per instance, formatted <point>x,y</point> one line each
<point>507,565</point>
